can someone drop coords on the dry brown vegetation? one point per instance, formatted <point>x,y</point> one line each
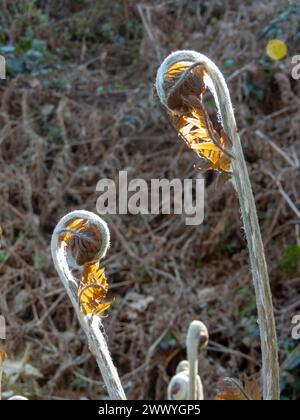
<point>87,110</point>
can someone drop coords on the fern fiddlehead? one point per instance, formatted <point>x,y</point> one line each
<point>79,241</point>
<point>182,79</point>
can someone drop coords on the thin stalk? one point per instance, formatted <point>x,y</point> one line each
<point>2,359</point>
<point>197,338</point>
<point>91,324</point>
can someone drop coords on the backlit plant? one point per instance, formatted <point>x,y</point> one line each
<point>79,242</point>
<point>182,80</point>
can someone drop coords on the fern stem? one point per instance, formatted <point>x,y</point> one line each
<point>2,358</point>
<point>91,324</point>
<point>266,319</point>
<point>218,87</point>
<point>197,338</point>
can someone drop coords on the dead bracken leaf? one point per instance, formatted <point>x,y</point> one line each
<point>252,388</point>
<point>232,390</point>
<point>92,290</point>
<point>12,369</point>
<point>2,355</point>
<point>138,302</point>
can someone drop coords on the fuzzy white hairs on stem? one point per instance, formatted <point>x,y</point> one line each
<point>91,324</point>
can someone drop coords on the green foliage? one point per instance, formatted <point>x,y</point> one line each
<point>140,275</point>
<point>198,262</point>
<point>290,260</point>
<point>248,328</point>
<point>246,298</point>
<point>229,249</point>
<point>101,90</point>
<point>255,89</point>
<point>229,63</point>
<point>116,304</point>
<point>79,382</point>
<point>272,29</point>
<point>2,35</point>
<point>168,341</point>
<point>41,17</point>
<point>290,379</point>
<point>288,346</point>
<point>3,256</point>
<point>38,262</point>
<point>30,56</point>
<point>54,131</point>
<point>214,20</point>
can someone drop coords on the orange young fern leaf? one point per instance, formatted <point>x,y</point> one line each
<point>196,128</point>
<point>231,389</point>
<point>184,95</point>
<point>83,240</point>
<point>92,290</point>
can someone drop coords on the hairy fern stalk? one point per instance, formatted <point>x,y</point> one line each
<point>181,82</point>
<point>79,241</point>
<point>187,383</point>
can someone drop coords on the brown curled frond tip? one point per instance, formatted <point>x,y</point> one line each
<point>83,240</point>
<point>184,87</point>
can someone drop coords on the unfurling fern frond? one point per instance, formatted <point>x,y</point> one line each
<point>185,86</point>
<point>83,241</point>
<point>79,242</point>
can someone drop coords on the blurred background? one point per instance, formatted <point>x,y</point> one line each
<point>77,105</point>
